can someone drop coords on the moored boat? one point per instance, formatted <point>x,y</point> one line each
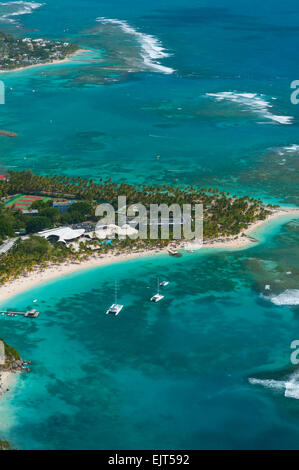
<point>115,308</point>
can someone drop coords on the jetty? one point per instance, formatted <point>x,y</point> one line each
<point>29,314</point>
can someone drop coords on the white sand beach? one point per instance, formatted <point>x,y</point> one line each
<point>52,271</point>
<point>53,62</point>
<point>6,381</point>
<point>244,240</point>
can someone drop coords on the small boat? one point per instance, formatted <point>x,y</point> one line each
<point>164,283</point>
<point>35,300</point>
<point>115,308</point>
<point>157,297</point>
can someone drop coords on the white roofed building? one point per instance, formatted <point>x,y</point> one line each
<point>63,234</point>
<point>109,231</point>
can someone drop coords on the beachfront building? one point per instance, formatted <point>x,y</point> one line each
<point>7,245</point>
<point>109,231</point>
<point>61,234</point>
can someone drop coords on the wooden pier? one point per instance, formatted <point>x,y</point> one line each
<point>29,314</point>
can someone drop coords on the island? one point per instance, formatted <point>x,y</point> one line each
<point>4,445</point>
<point>10,363</point>
<point>49,227</point>
<point>18,53</point>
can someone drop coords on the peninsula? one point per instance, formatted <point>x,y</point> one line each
<point>22,53</point>
<point>48,225</point>
<point>10,363</point>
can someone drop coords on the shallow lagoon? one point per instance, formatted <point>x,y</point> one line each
<point>167,375</point>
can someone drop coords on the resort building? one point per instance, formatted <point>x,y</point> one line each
<point>109,231</point>
<point>88,226</point>
<point>61,234</point>
<point>33,212</point>
<point>6,246</point>
<point>64,206</point>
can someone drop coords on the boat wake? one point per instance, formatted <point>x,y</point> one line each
<point>10,9</point>
<point>151,47</point>
<point>254,102</point>
<point>289,387</point>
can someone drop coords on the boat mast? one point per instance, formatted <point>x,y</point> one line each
<point>158,285</point>
<point>115,292</point>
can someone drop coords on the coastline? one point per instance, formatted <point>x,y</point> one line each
<point>53,271</point>
<point>240,241</point>
<point>6,381</point>
<point>54,62</point>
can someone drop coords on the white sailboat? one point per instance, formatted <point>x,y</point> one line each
<point>115,308</point>
<point>157,297</point>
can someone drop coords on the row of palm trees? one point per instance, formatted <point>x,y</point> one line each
<point>223,214</point>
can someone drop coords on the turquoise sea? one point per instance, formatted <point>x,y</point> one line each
<point>207,87</point>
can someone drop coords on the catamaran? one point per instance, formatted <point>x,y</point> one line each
<point>115,308</point>
<point>157,297</point>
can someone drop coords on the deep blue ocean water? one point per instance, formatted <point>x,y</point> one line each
<point>177,374</point>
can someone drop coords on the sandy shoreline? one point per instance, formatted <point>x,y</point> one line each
<point>6,380</point>
<point>54,62</point>
<point>54,271</point>
<point>241,241</point>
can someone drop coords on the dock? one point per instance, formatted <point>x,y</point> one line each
<point>29,314</point>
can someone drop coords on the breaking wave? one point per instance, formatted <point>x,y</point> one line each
<point>288,297</point>
<point>289,387</point>
<point>294,148</point>
<point>18,8</point>
<point>253,101</point>
<point>151,47</point>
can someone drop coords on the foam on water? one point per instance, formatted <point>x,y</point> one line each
<point>253,101</point>
<point>18,8</point>
<point>291,148</point>
<point>289,387</point>
<point>288,297</point>
<point>152,49</point>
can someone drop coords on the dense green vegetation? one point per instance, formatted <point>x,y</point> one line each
<point>10,352</point>
<point>35,251</point>
<point>224,216</point>
<point>4,445</point>
<point>12,220</point>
